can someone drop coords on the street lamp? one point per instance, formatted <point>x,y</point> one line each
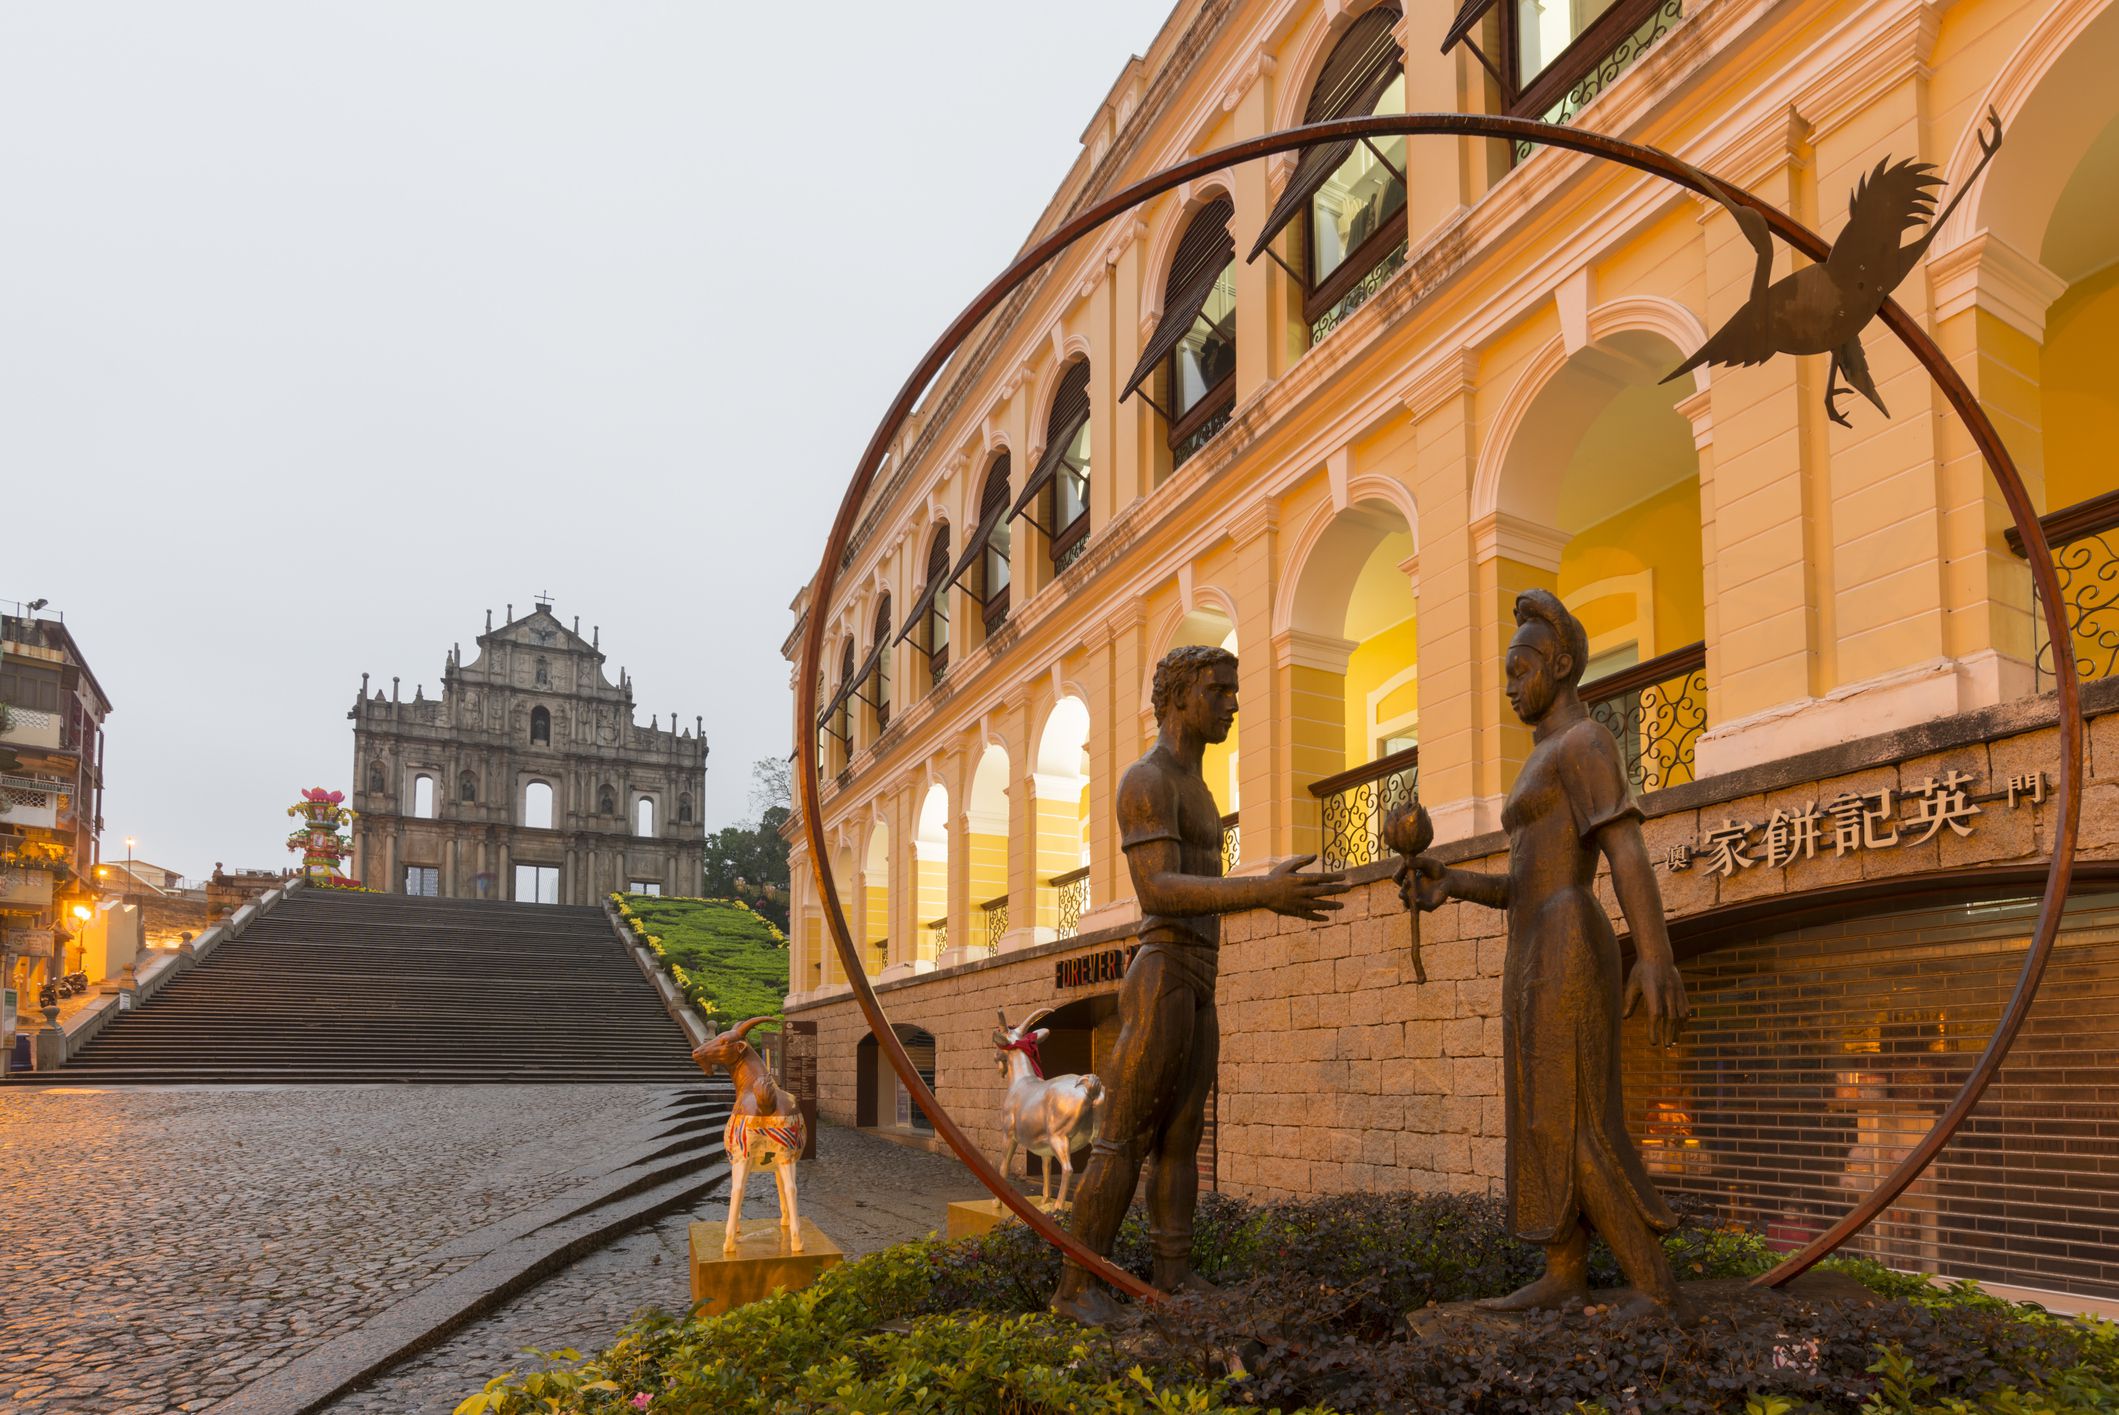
<point>128,869</point>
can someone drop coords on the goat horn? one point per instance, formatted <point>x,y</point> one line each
<point>1004,1019</point>
<point>1036,1017</point>
<point>744,1026</point>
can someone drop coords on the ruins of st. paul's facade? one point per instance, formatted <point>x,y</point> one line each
<point>526,779</point>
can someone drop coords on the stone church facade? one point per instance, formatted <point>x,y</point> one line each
<point>526,779</point>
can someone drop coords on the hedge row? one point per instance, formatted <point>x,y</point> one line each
<point>1311,1318</point>
<point>729,961</point>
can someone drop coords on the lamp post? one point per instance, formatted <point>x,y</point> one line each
<point>128,869</point>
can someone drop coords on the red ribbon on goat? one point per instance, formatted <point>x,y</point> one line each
<point>1028,1047</point>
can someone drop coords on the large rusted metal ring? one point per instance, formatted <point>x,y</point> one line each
<point>2067,799</point>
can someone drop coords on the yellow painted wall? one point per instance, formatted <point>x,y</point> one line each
<point>1219,768</point>
<point>989,866</point>
<point>1374,661</point>
<point>1661,534</point>
<point>933,873</point>
<point>2080,374</point>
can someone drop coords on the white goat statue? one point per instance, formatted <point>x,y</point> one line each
<point>1048,1116</point>
<point>765,1131</point>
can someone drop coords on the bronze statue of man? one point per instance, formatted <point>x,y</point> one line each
<point>1571,1165</point>
<point>1162,1067</point>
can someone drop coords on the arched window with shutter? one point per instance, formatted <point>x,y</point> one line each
<point>1059,484</point>
<point>1347,198</point>
<point>994,545</point>
<point>1195,343</point>
<point>936,614</point>
<point>842,705</point>
<point>876,672</point>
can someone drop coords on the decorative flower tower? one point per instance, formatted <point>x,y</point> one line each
<point>319,840</point>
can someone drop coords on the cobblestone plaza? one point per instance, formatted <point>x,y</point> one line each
<point>181,1243</point>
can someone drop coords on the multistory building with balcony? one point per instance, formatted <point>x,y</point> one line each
<point>1335,411</point>
<point>51,796</point>
<point>526,778</point>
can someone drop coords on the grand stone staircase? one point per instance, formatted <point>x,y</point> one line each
<point>337,987</point>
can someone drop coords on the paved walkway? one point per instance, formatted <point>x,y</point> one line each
<point>865,1192</point>
<point>166,1246</point>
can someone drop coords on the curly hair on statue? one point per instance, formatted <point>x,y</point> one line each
<point>1180,669</point>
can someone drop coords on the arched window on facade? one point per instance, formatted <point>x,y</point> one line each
<point>1347,199</point>
<point>544,673</point>
<point>879,665</point>
<point>994,571</point>
<point>423,797</point>
<point>837,721</point>
<point>540,727</point>
<point>537,806</point>
<point>927,623</point>
<point>377,781</point>
<point>607,802</point>
<point>1059,484</point>
<point>644,817</point>
<point>684,808</point>
<point>1546,52</point>
<point>1195,344</point>
<point>467,787</point>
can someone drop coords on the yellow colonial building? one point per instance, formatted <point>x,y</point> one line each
<point>1334,412</point>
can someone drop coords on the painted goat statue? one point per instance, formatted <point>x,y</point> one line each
<point>764,1132</point>
<point>1048,1116</point>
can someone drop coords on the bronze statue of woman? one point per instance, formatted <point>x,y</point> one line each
<point>1572,1168</point>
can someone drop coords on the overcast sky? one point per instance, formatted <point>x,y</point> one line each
<point>324,328</point>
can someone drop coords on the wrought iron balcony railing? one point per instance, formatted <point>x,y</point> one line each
<point>1071,891</point>
<point>1354,804</point>
<point>1657,711</point>
<point>993,917</point>
<point>2085,541</point>
<point>1231,843</point>
<point>938,932</point>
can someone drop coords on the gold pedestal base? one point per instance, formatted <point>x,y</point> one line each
<point>968,1218</point>
<point>761,1262</point>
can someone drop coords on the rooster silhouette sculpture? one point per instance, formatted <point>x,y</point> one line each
<point>1824,308</point>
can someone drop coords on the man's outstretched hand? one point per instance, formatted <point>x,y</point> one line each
<point>1301,896</point>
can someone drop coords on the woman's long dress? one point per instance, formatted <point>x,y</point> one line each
<point>1561,990</point>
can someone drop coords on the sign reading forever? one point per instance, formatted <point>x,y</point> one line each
<point>1090,969</point>
<point>799,1067</point>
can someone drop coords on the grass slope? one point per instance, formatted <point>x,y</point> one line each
<point>730,962</point>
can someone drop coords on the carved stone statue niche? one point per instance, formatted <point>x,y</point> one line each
<point>1572,1167</point>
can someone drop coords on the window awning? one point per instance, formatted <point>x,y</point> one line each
<point>1360,68</point>
<point>868,666</point>
<point>917,615</point>
<point>1472,12</point>
<point>831,710</point>
<point>1206,251</point>
<point>1070,410</point>
<point>990,518</point>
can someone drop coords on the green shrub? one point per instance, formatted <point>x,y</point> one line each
<point>729,962</point>
<point>1310,1317</point>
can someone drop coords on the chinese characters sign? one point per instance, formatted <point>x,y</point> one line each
<point>1889,818</point>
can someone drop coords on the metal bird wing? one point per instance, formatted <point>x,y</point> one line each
<point>1890,199</point>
